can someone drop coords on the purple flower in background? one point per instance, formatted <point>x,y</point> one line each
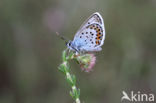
<point>54,19</point>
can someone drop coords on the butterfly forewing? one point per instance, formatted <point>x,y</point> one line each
<point>94,18</point>
<point>91,35</point>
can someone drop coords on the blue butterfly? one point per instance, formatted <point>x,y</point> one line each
<point>91,35</point>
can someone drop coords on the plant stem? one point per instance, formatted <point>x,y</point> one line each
<point>71,79</point>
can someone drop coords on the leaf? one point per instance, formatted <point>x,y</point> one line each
<point>62,68</point>
<point>69,80</point>
<point>74,79</point>
<point>64,55</point>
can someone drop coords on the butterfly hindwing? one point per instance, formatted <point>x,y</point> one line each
<point>91,35</point>
<point>90,38</point>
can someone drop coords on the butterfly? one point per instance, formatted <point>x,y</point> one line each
<point>91,35</point>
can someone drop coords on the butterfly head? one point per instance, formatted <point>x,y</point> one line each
<point>71,46</point>
<point>69,43</point>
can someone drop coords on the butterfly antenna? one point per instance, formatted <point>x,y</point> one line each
<point>62,37</point>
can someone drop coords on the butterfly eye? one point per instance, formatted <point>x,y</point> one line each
<point>69,43</point>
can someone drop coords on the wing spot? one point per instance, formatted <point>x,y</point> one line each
<point>80,36</point>
<point>86,32</point>
<point>97,42</point>
<point>97,34</point>
<point>98,38</point>
<point>97,30</point>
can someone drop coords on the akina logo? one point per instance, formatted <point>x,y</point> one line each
<point>137,97</point>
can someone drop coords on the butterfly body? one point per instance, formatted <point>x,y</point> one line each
<point>90,37</point>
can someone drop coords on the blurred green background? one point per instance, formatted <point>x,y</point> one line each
<point>30,51</point>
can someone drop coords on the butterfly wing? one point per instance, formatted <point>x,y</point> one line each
<point>91,35</point>
<point>94,18</point>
